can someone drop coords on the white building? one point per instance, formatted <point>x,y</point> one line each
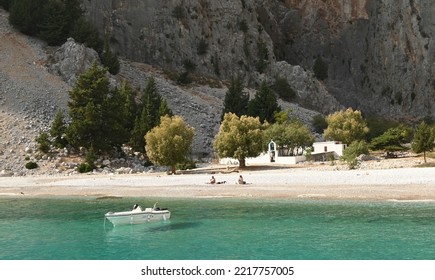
<point>322,151</point>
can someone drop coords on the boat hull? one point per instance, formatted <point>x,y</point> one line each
<point>131,217</point>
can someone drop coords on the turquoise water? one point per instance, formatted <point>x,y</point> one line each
<point>214,229</point>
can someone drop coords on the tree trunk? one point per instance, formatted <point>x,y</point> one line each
<point>242,163</point>
<point>173,169</point>
<point>424,155</point>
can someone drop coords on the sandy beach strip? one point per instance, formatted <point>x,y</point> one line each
<point>402,184</point>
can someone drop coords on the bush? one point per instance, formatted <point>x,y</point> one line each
<point>283,89</point>
<point>84,168</point>
<point>319,123</point>
<point>186,165</point>
<point>354,150</point>
<point>31,165</point>
<point>44,142</point>
<point>110,60</point>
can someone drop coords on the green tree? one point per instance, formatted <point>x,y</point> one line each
<point>168,144</point>
<point>152,108</point>
<point>73,13</point>
<point>96,120</point>
<point>239,138</point>
<point>109,59</point>
<point>51,20</point>
<point>424,138</point>
<point>52,26</point>
<point>85,33</point>
<point>264,104</point>
<point>346,126</point>
<point>378,126</point>
<point>282,88</point>
<point>43,142</point>
<point>25,15</point>
<point>354,150</point>
<point>130,108</point>
<point>392,140</point>
<point>58,129</point>
<point>236,100</point>
<point>292,138</point>
<point>319,123</point>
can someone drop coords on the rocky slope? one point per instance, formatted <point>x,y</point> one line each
<point>380,54</point>
<point>34,85</point>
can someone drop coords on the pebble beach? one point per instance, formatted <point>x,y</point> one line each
<point>401,184</point>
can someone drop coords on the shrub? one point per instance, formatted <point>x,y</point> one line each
<point>31,165</point>
<point>319,123</point>
<point>283,89</point>
<point>354,150</point>
<point>44,142</point>
<point>84,168</point>
<point>189,164</point>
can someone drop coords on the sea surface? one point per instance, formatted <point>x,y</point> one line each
<point>217,229</point>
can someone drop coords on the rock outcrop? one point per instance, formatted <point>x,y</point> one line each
<point>71,60</point>
<point>380,54</point>
<point>222,38</point>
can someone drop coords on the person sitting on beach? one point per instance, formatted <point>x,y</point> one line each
<point>241,182</point>
<point>212,180</point>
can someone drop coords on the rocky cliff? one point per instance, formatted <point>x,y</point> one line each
<point>380,54</point>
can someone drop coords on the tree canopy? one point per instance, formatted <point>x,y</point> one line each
<point>239,138</point>
<point>168,144</point>
<point>292,138</point>
<point>236,101</point>
<point>151,108</point>
<point>264,104</point>
<point>346,126</point>
<point>96,120</point>
<point>424,138</point>
<point>392,140</point>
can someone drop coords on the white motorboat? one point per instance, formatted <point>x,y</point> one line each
<point>138,215</point>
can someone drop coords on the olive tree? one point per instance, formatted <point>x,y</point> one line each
<point>346,126</point>
<point>292,138</point>
<point>239,138</point>
<point>168,144</point>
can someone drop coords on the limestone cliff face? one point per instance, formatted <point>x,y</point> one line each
<point>380,54</point>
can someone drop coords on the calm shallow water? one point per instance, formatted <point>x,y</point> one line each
<point>210,229</point>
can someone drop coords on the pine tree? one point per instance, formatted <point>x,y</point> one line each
<point>109,59</point>
<point>53,24</point>
<point>423,139</point>
<point>153,106</point>
<point>96,120</point>
<point>236,101</point>
<point>264,104</point>
<point>25,15</point>
<point>58,129</point>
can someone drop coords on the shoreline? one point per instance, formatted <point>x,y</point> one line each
<point>398,184</point>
